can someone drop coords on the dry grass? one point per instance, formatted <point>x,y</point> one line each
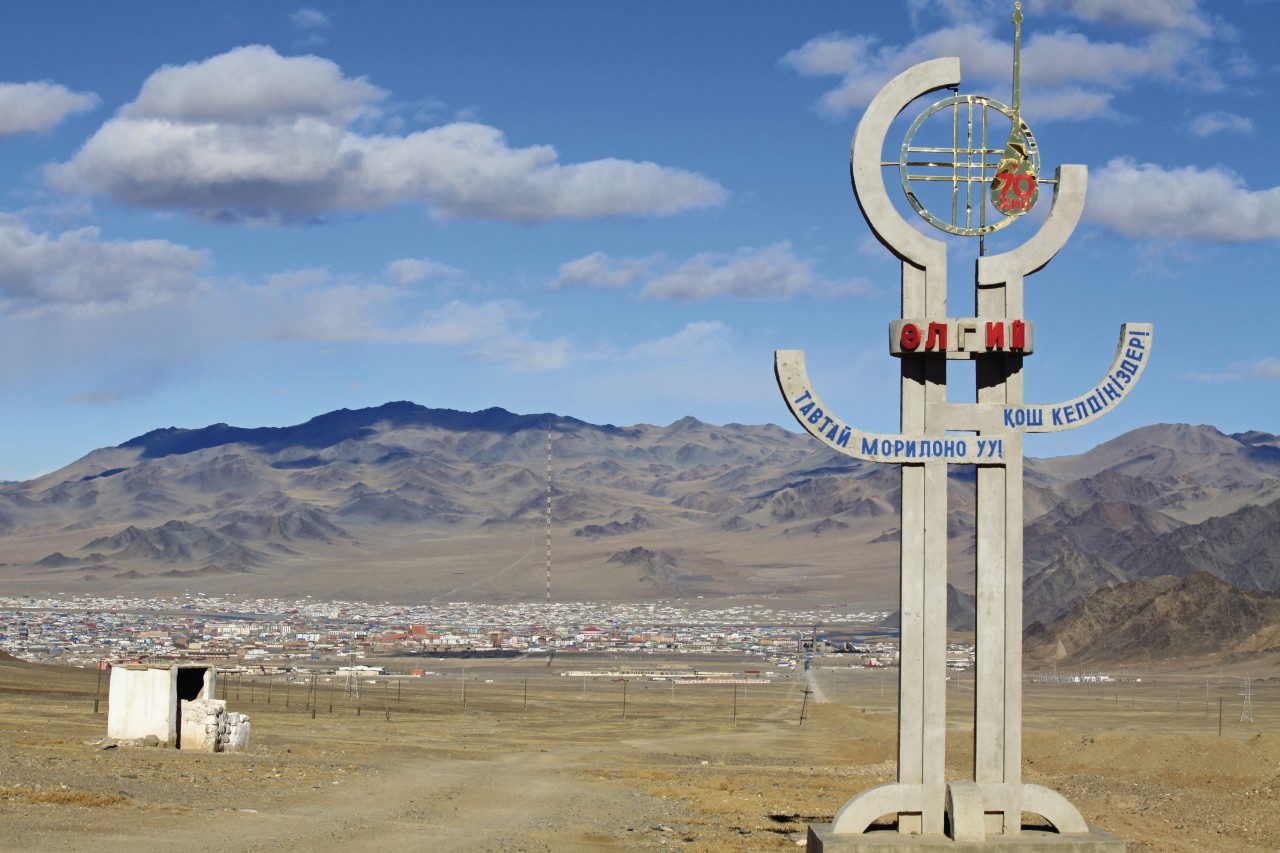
<point>540,761</point>
<point>62,797</point>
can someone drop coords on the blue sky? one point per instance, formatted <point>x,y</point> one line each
<point>255,213</point>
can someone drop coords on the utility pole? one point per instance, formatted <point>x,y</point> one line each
<point>352,684</point>
<point>548,515</point>
<point>98,691</point>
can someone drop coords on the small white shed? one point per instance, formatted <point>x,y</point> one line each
<point>146,699</point>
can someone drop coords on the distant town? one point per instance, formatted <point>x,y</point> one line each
<point>88,630</point>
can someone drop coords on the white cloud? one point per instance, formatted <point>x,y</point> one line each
<point>1166,260</point>
<point>33,107</point>
<point>1154,15</point>
<point>76,272</point>
<point>1208,124</point>
<point>599,270</point>
<point>1049,90</point>
<point>525,356</point>
<point>252,87</point>
<point>1148,201</point>
<point>467,170</point>
<point>1267,369</point>
<point>1065,58</point>
<point>1178,15</point>
<point>487,331</point>
<point>700,338</point>
<point>309,305</point>
<point>253,135</point>
<point>309,19</point>
<point>1065,74</point>
<point>1068,74</point>
<point>772,272</point>
<point>466,324</point>
<point>300,278</point>
<point>95,319</point>
<point>413,270</point>
<point>316,309</point>
<point>1264,370</point>
<point>110,354</point>
<point>1069,102</point>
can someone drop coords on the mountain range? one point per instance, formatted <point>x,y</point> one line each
<point>408,503</point>
<point>1199,616</point>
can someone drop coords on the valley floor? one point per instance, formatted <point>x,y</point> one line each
<point>519,758</point>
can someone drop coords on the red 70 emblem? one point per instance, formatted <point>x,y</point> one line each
<point>1016,191</point>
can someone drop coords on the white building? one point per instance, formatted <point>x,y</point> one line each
<point>154,700</point>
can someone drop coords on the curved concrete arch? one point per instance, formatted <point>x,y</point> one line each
<point>841,436</point>
<point>1064,216</point>
<point>1054,808</point>
<point>860,812</point>
<point>889,226</point>
<point>1132,354</point>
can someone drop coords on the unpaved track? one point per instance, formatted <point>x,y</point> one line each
<point>527,801</point>
<point>698,769</point>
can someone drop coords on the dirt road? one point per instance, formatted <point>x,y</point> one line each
<point>532,761</point>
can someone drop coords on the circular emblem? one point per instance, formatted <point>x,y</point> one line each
<point>970,165</point>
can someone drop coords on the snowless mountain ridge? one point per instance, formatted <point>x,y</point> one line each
<point>425,502</point>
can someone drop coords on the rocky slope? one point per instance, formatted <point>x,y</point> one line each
<point>1165,499</point>
<point>1161,618</point>
<point>420,503</point>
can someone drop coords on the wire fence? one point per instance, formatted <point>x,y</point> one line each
<point>1177,703</point>
<point>480,693</point>
<point>1227,704</point>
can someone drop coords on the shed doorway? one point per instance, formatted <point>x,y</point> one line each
<point>191,684</point>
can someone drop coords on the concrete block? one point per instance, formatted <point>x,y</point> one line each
<point>237,736</point>
<point>823,840</point>
<point>199,731</point>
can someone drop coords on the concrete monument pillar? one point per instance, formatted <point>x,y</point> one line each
<point>989,175</point>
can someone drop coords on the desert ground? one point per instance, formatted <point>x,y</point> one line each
<point>516,756</point>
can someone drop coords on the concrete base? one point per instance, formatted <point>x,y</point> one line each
<point>823,840</point>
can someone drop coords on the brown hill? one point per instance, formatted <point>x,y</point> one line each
<point>1064,582</point>
<point>1192,472</point>
<point>1160,618</point>
<point>431,504</point>
<point>1158,500</point>
<point>1242,548</point>
<point>436,504</point>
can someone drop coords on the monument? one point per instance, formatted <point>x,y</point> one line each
<point>979,159</point>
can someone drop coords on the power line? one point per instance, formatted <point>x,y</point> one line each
<point>351,686</point>
<point>548,511</point>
